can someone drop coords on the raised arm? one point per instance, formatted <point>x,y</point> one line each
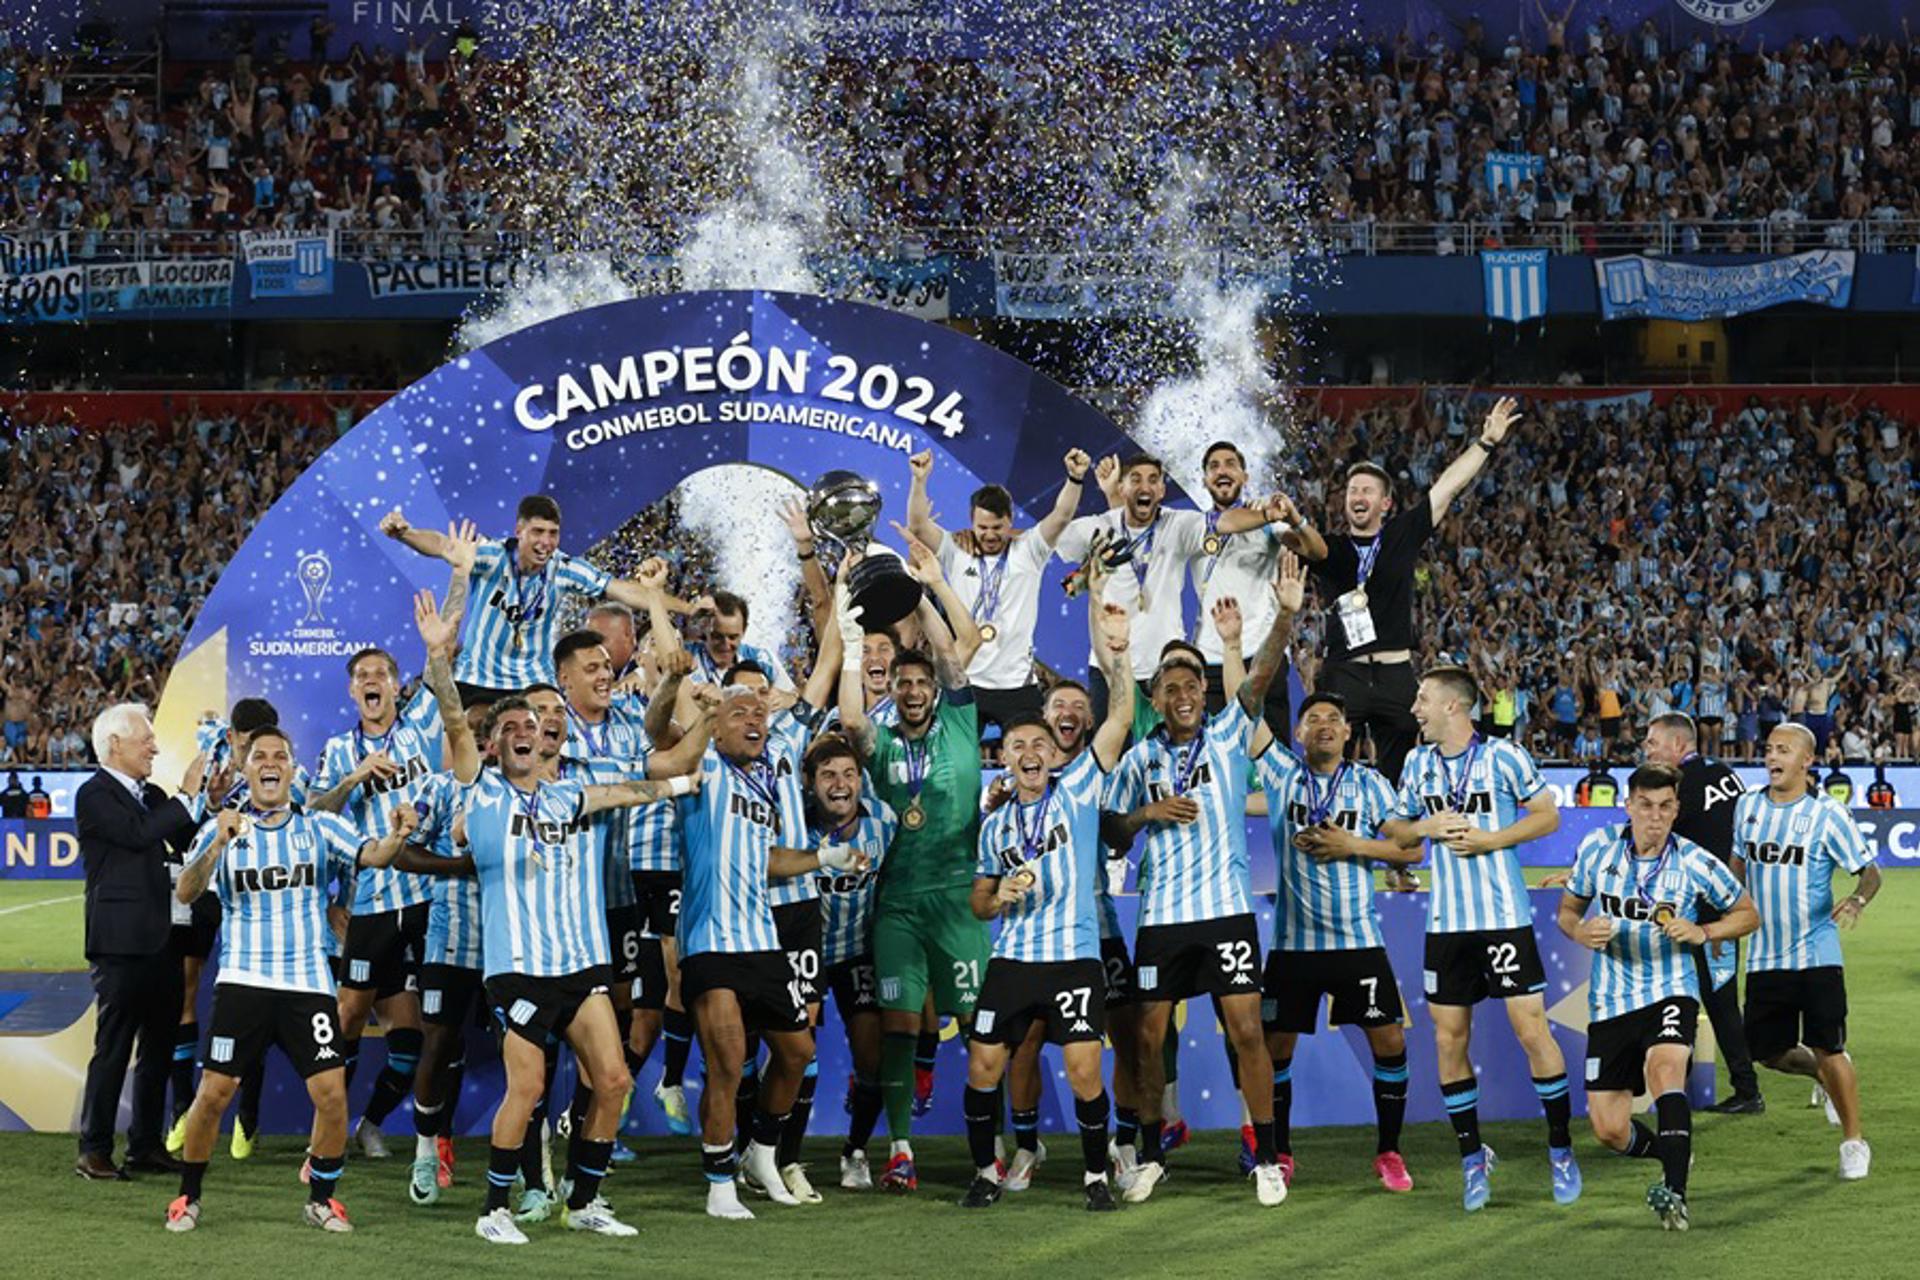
<point>1301,537</point>
<point>196,875</point>
<point>1068,501</point>
<point>402,822</point>
<point>818,691</point>
<point>919,505</point>
<point>426,541</point>
<point>461,548</point>
<point>1289,589</point>
<point>853,706</point>
<point>636,791</point>
<point>1111,632</point>
<point>439,632</point>
<point>684,755</point>
<point>925,568</point>
<point>675,666</point>
<point>1462,470</point>
<point>812,576</point>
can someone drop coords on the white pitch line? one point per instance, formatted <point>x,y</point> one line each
<point>48,902</point>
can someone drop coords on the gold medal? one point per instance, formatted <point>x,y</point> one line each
<point>1140,601</point>
<point>1211,544</point>
<point>1359,597</point>
<point>517,641</point>
<point>1662,914</point>
<point>914,818</point>
<point>988,633</point>
<point>1024,878</point>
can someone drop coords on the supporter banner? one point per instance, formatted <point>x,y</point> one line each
<point>923,290</point>
<point>39,849</point>
<point>106,290</point>
<point>412,277</point>
<point>1635,286</point>
<point>1510,169</point>
<point>1516,283</point>
<point>289,264</point>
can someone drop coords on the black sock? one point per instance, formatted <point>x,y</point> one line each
<point>586,1165</point>
<point>1126,1127</point>
<point>1265,1150</point>
<point>350,1058</point>
<point>926,1050</point>
<point>745,1097</point>
<point>323,1177</point>
<point>1463,1109</point>
<point>1283,1105</point>
<point>192,1174</point>
<point>530,1162</point>
<point>1150,1141</point>
<point>1026,1128</point>
<point>186,1042</point>
<point>426,1118</point>
<point>1555,1097</point>
<point>452,1080</point>
<point>766,1128</point>
<point>866,1114</point>
<point>676,1028</point>
<point>502,1164</point>
<point>718,1162</point>
<point>1676,1137</point>
<point>795,1130</point>
<point>581,1105</point>
<point>1390,1099</point>
<point>978,1106</point>
<point>634,1061</point>
<point>395,1080</point>
<point>253,1086</point>
<point>1092,1115</point>
<point>1641,1144</point>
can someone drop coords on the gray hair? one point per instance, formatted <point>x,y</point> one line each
<point>117,721</point>
<point>612,609</point>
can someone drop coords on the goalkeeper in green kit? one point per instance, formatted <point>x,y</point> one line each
<point>927,768</point>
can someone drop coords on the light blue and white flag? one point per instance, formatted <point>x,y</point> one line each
<point>1516,283</point>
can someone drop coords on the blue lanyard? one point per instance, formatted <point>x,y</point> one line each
<point>529,807</point>
<point>1457,791</point>
<point>1186,763</point>
<point>916,751</point>
<point>1642,886</point>
<point>1031,842</point>
<point>991,581</point>
<point>1366,556</point>
<point>1143,559</point>
<point>384,741</point>
<point>757,780</point>
<point>603,748</point>
<point>1319,806</point>
<point>1218,543</point>
<point>519,598</point>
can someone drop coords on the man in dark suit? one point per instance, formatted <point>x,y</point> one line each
<point>126,825</point>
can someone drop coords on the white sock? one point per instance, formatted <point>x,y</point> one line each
<point>1088,1179</point>
<point>423,1147</point>
<point>901,1147</point>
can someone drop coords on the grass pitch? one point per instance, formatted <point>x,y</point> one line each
<point>1765,1196</point>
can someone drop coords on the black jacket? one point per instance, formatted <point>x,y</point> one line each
<point>124,848</point>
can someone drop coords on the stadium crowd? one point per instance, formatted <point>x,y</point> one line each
<point>1745,572</point>
<point>1709,142</point>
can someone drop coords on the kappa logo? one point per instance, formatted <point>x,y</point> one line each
<point>1242,980</point>
<point>1373,1011</point>
<point>220,1049</point>
<point>325,1053</point>
<point>1081,1026</point>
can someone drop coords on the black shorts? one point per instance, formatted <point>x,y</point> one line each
<point>1617,1047</point>
<point>195,940</point>
<point>384,950</point>
<point>797,924</point>
<point>650,983</point>
<point>1066,995</point>
<point>1122,985</point>
<point>1208,958</point>
<point>247,1021</point>
<point>1786,1007</point>
<point>624,927</point>
<point>855,989</point>
<point>1358,980</point>
<point>762,981</point>
<point>541,1009</point>
<point>447,993</point>
<point>658,896</point>
<point>1481,964</point>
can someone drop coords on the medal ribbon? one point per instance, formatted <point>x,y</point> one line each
<point>1457,791</point>
<point>602,749</point>
<point>1139,548</point>
<point>529,807</point>
<point>1032,841</point>
<point>527,616</point>
<point>1213,531</point>
<point>757,779</point>
<point>1641,887</point>
<point>991,580</point>
<point>1187,763</point>
<point>362,743</point>
<point>1366,556</point>
<point>1319,806</point>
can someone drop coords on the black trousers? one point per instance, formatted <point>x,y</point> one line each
<point>1379,697</point>
<point>135,998</point>
<point>1723,1010</point>
<point>1278,709</point>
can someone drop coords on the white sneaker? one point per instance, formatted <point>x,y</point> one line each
<point>1269,1184</point>
<point>535,1206</point>
<point>373,1143</point>
<point>795,1178</point>
<point>499,1227</point>
<point>1124,1162</point>
<point>329,1215</point>
<point>758,1167</point>
<point>596,1217</point>
<point>423,1183</point>
<point>855,1173</point>
<point>723,1201</point>
<point>1855,1158</point>
<point>1145,1178</point>
<point>1020,1172</point>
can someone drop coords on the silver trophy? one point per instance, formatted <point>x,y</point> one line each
<point>842,509</point>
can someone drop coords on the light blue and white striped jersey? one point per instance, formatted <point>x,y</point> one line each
<point>1323,904</point>
<point>272,884</point>
<point>707,671</point>
<point>1196,870</point>
<point>794,724</point>
<point>542,907</point>
<point>453,921</point>
<point>612,751</point>
<point>1057,838</point>
<point>882,713</point>
<point>507,642</point>
<point>1489,782</point>
<point>728,829</point>
<point>1642,966</point>
<point>846,897</point>
<point>1791,851</point>
<point>608,827</point>
<point>414,741</point>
